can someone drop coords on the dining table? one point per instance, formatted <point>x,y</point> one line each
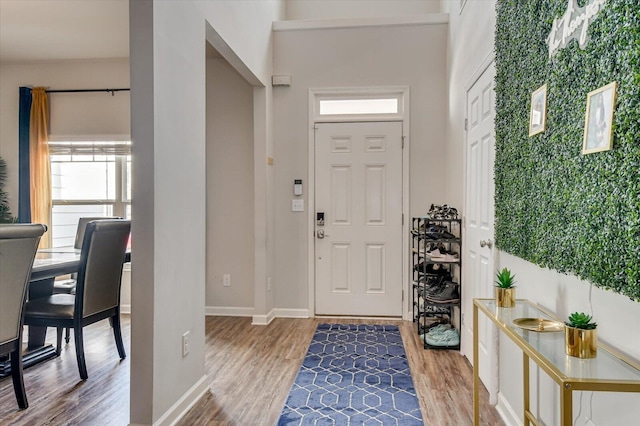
<point>48,264</point>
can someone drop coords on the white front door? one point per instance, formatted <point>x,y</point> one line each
<point>479,214</point>
<point>358,196</point>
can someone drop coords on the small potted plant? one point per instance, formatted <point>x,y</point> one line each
<point>580,336</point>
<point>505,289</point>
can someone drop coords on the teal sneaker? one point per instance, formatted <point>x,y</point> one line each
<point>446,338</point>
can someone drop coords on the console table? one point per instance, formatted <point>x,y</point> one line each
<point>609,371</point>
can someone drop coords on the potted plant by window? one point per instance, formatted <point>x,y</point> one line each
<point>505,289</point>
<point>5,214</point>
<point>580,336</point>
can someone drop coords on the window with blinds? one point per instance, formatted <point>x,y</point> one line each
<point>88,179</point>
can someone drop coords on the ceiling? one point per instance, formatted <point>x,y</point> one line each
<point>36,30</point>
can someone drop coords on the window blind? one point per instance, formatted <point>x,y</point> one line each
<point>90,148</point>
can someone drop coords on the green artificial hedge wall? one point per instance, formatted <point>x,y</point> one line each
<point>555,207</point>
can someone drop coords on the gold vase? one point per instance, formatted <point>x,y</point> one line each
<point>580,343</point>
<point>506,297</point>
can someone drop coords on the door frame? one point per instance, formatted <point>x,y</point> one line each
<point>315,95</point>
<point>487,62</point>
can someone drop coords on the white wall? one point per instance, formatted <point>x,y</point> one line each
<point>471,41</point>
<point>230,236</point>
<point>71,113</point>
<point>343,9</point>
<point>168,79</point>
<point>411,56</point>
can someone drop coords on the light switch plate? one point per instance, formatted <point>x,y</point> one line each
<point>297,205</point>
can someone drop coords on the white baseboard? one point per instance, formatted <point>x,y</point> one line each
<point>290,313</point>
<point>184,404</point>
<point>263,319</point>
<point>506,411</point>
<point>279,313</point>
<point>228,311</point>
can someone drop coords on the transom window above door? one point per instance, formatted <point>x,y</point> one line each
<point>358,104</point>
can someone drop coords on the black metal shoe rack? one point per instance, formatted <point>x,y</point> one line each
<point>428,275</point>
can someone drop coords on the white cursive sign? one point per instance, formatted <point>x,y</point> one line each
<point>573,25</point>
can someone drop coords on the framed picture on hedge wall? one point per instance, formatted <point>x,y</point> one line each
<point>538,114</point>
<point>598,132</point>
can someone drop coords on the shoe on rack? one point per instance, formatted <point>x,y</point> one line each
<point>439,235</point>
<point>435,331</point>
<point>435,253</point>
<point>449,293</point>
<point>445,257</point>
<point>434,286</point>
<point>433,289</point>
<point>434,309</point>
<point>443,337</point>
<point>439,329</point>
<point>430,279</point>
<point>428,322</point>
<point>426,267</point>
<point>430,268</point>
<point>442,212</point>
<point>431,284</point>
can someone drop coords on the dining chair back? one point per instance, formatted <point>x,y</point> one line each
<point>100,271</point>
<point>97,294</point>
<point>82,227</point>
<point>18,246</point>
<point>68,285</point>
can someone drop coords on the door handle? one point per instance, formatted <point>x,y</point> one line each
<point>486,243</point>
<point>320,234</point>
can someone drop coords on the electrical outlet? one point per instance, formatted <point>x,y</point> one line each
<point>268,284</point>
<point>185,344</point>
<point>226,280</point>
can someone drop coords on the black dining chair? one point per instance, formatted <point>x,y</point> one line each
<point>69,285</point>
<point>18,246</point>
<point>97,294</point>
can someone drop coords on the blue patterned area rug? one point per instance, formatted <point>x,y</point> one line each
<point>353,375</point>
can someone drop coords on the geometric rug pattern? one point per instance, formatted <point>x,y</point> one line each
<point>353,374</point>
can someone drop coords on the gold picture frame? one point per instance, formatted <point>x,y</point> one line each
<point>598,122</point>
<point>538,113</point>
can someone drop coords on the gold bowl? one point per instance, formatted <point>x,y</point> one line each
<point>538,324</point>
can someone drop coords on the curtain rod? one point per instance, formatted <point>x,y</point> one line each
<point>112,91</point>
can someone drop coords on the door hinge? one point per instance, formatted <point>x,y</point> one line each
<point>461,320</point>
<point>403,142</point>
<point>466,124</point>
<point>402,219</point>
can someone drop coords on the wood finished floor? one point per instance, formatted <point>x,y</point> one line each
<point>250,370</point>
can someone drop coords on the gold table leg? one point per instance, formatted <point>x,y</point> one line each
<point>525,382</point>
<point>566,404</point>
<point>476,368</point>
